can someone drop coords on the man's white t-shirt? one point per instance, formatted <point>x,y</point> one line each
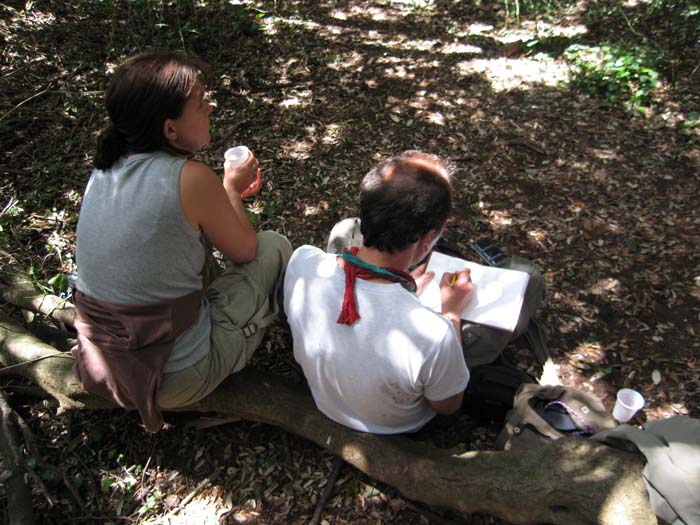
<point>377,374</point>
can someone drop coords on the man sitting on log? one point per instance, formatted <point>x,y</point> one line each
<point>375,358</point>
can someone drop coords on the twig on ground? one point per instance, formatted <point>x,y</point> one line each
<point>25,101</point>
<point>19,495</point>
<point>34,451</point>
<point>520,141</point>
<point>337,466</point>
<point>93,519</point>
<point>692,74</point>
<point>71,488</point>
<point>200,486</point>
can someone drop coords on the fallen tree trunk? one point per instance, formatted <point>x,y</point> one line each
<point>23,354</point>
<point>21,291</point>
<point>572,481</point>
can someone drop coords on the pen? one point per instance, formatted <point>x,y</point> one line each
<point>454,280</point>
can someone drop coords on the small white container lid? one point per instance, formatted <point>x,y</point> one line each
<point>236,156</point>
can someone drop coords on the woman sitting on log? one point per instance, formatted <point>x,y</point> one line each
<point>159,323</point>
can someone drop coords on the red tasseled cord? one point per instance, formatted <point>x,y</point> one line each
<point>349,314</point>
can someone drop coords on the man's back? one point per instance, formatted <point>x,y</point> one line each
<point>377,374</point>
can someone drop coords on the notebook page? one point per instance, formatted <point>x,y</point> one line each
<point>498,292</point>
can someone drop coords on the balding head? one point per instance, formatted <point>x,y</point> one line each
<point>403,198</point>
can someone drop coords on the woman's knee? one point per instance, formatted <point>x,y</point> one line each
<point>273,245</point>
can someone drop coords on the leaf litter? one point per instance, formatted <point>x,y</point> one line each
<point>602,200</point>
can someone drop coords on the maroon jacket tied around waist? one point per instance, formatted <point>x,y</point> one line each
<point>122,349</point>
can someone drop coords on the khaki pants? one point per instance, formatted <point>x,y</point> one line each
<point>483,344</point>
<point>244,300</point>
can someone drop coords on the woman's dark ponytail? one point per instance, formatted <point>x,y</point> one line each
<point>110,146</point>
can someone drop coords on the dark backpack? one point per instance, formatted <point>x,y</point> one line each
<point>491,390</point>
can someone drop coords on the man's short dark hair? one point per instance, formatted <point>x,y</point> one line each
<point>403,198</point>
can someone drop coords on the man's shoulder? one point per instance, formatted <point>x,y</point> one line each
<point>306,253</point>
<point>307,261</point>
<point>405,311</point>
<point>308,249</point>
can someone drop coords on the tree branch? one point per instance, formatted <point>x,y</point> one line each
<point>21,291</point>
<point>572,481</point>
<point>29,357</point>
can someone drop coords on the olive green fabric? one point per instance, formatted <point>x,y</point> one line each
<point>672,473</point>
<point>483,344</point>
<point>244,300</point>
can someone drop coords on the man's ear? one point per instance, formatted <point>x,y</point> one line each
<point>427,240</point>
<point>169,130</point>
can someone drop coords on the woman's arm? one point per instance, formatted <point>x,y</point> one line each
<point>218,211</point>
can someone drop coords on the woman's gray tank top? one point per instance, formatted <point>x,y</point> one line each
<point>135,246</point>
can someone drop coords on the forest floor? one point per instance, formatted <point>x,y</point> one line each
<point>603,199</point>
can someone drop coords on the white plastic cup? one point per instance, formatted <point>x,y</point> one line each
<point>627,404</point>
<point>236,156</point>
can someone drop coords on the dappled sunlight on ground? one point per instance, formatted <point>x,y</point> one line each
<point>206,508</point>
<point>531,29</point>
<point>508,73</point>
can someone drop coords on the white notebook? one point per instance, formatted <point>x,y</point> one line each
<point>498,292</point>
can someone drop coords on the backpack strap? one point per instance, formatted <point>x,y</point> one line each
<point>536,337</point>
<point>579,426</point>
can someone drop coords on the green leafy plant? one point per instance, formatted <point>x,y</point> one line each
<point>59,283</point>
<point>668,29</point>
<point>619,75</point>
<point>106,484</point>
<point>690,127</point>
<point>151,502</point>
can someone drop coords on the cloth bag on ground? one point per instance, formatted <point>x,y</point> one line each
<point>543,413</point>
<point>672,473</point>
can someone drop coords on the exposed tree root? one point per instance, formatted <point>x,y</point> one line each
<point>19,494</point>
